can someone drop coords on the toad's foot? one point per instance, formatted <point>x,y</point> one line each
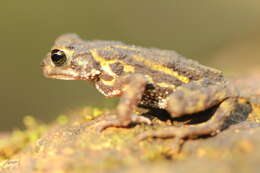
<point>179,134</point>
<point>115,122</point>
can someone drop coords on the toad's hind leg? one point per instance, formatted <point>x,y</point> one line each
<point>198,96</point>
<point>195,97</point>
<point>210,127</point>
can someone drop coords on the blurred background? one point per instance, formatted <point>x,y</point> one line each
<point>224,34</point>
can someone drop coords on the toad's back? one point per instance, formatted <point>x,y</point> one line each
<point>159,65</point>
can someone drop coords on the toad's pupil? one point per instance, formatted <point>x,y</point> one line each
<point>58,57</point>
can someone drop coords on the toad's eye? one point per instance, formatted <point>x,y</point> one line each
<point>58,57</point>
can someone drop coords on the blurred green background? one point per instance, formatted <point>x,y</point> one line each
<point>201,29</point>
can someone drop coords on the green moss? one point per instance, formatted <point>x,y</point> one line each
<point>62,119</point>
<point>17,140</point>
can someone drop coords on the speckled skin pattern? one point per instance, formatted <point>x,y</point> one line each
<point>142,76</point>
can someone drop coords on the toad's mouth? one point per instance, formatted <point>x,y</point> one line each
<point>65,74</point>
<point>62,76</point>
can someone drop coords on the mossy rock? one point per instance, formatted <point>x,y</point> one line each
<point>72,144</point>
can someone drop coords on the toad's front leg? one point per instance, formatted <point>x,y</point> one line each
<point>132,87</point>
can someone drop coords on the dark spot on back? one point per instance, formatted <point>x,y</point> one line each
<point>117,68</point>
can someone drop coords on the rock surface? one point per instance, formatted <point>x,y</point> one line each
<point>72,144</point>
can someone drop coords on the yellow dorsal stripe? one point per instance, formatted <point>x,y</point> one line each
<point>158,67</point>
<point>101,60</point>
<point>166,85</point>
<point>160,84</point>
<point>105,63</point>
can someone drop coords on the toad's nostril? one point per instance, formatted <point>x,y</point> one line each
<point>42,64</point>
